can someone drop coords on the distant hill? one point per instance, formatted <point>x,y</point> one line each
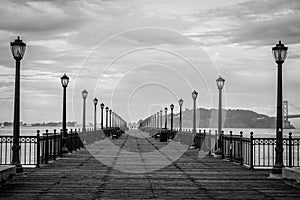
<point>234,118</point>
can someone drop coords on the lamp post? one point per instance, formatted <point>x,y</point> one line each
<point>279,53</point>
<point>172,108</point>
<point>180,102</point>
<point>194,95</point>
<point>110,111</point>
<point>18,48</point>
<point>95,101</point>
<point>102,106</point>
<point>220,83</point>
<point>106,109</point>
<point>64,83</point>
<point>84,96</point>
<point>166,118</point>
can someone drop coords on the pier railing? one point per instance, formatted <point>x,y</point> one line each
<point>252,152</point>
<point>260,152</point>
<point>43,147</point>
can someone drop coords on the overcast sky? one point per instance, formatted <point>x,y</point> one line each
<point>138,56</point>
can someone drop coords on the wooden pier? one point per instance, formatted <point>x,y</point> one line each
<point>81,176</point>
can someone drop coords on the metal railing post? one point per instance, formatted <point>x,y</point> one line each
<point>222,144</point>
<point>47,148</point>
<point>216,140</point>
<point>209,142</point>
<point>230,146</point>
<point>71,141</point>
<point>290,150</point>
<point>241,148</point>
<point>61,143</point>
<point>54,145</point>
<point>38,149</point>
<point>251,150</point>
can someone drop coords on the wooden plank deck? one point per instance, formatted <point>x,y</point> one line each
<point>81,176</point>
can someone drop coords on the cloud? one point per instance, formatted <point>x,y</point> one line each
<point>252,23</point>
<point>36,16</point>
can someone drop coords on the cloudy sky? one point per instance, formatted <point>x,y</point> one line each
<point>138,56</point>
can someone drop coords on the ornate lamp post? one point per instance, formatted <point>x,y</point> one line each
<point>172,108</point>
<point>102,106</point>
<point>84,96</point>
<point>180,102</point>
<point>166,118</point>
<point>64,83</point>
<point>279,53</point>
<point>95,101</point>
<point>18,48</point>
<point>194,95</point>
<point>110,111</point>
<point>220,83</point>
<point>106,109</point>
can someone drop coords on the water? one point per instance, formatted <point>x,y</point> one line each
<point>32,130</point>
<point>29,131</point>
<point>257,132</point>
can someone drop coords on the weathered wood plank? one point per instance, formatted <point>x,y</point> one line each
<point>81,176</point>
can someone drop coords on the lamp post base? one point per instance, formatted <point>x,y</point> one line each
<point>276,172</point>
<point>218,151</point>
<point>19,168</point>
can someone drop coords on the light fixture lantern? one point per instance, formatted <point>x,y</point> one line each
<point>161,111</point>
<point>166,109</point>
<point>106,108</point>
<point>172,106</point>
<point>95,101</point>
<point>180,101</point>
<point>102,105</point>
<point>279,52</point>
<point>110,111</point>
<point>64,80</point>
<point>220,82</point>
<point>194,94</point>
<point>18,48</point>
<point>84,94</point>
